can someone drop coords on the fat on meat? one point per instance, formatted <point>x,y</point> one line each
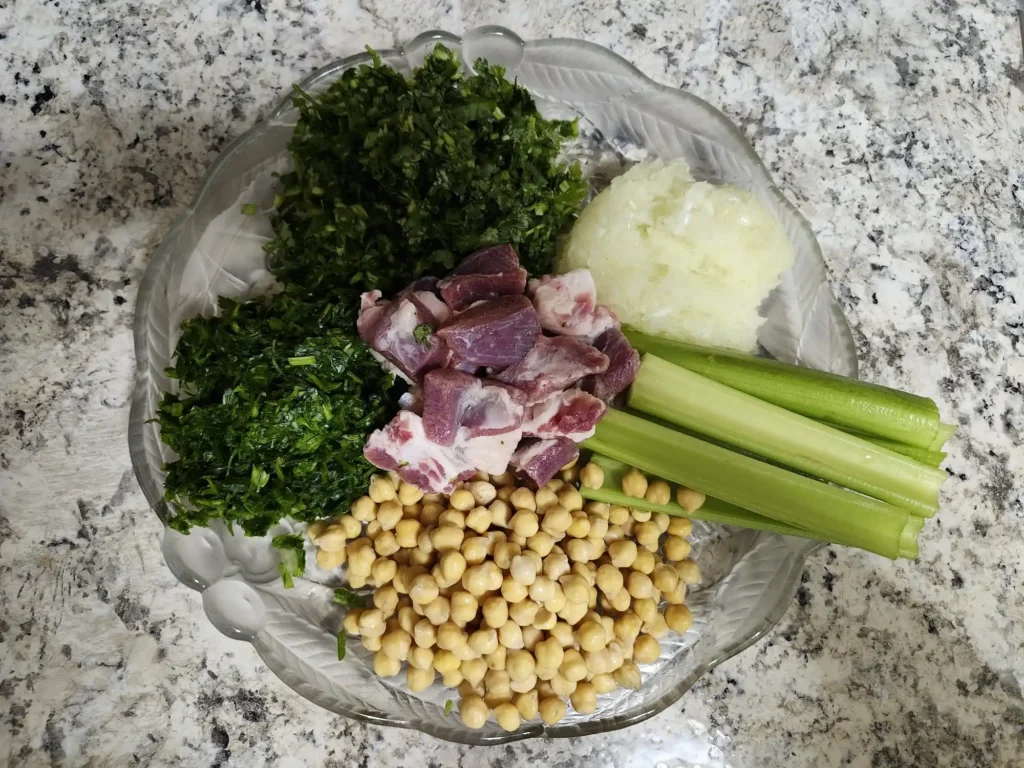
<point>573,414</point>
<point>540,460</point>
<point>623,364</point>
<point>389,328</point>
<point>567,304</point>
<point>553,364</point>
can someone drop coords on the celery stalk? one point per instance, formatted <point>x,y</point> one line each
<point>944,432</point>
<point>921,455</point>
<point>868,408</point>
<point>834,513</point>
<point>694,402</point>
<point>716,511</point>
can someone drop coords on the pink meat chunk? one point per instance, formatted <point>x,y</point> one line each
<point>567,305</point>
<point>461,291</point>
<point>489,261</point>
<point>403,446</point>
<point>540,460</point>
<point>455,402</point>
<point>552,365</point>
<point>573,414</point>
<point>494,333</point>
<point>391,332</point>
<point>623,364</point>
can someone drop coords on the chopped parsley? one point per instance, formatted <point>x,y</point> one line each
<point>250,209</point>
<point>292,553</point>
<point>341,645</point>
<point>347,597</point>
<point>423,334</point>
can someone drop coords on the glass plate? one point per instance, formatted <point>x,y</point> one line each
<point>749,577</point>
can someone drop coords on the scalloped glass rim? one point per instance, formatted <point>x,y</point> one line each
<point>840,356</point>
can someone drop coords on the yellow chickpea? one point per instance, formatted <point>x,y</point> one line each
<point>396,644</point>
<point>628,676</point>
<point>504,551</point>
<point>495,611</point>
<point>598,527</point>
<point>552,709</point>
<point>658,492</point>
<point>579,528</point>
<point>689,573</point>
<point>407,617</point>
<point>473,670</point>
<point>646,609</point>
<point>634,483</point>
<point>452,565</point>
<point>407,533</point>
<point>513,591</point>
<point>423,589</point>
<point>544,498</point>
<point>556,565</point>
<point>483,492</point>
<point>592,476</point>
<point>461,500</point>
<point>421,658</point>
<point>561,686</point>
<point>575,588</point>
<point>570,498</point>
<point>657,628</point>
<point>562,633</point>
<point>580,550</point>
<point>478,519</point>
<point>385,665</point>
<point>646,649</point>
<point>431,513</point>
<point>474,711</point>
<point>452,679</point>
<point>541,543</point>
<point>520,665</point>
<point>676,548</point>
<point>523,498</point>
<point>690,500</point>
<point>463,606</point>
<point>584,698</point>
<point>388,515</point>
<point>665,578</point>
<point>645,562</point>
<point>450,637</point>
<point>507,717</point>
<point>525,523</point>
<point>363,510</point>
<point>496,659</point>
<point>544,619</point>
<point>510,635</point>
<point>381,489</point>
<point>557,520</point>
<point>572,668</point>
<point>524,612</point>
<point>484,641</point>
<point>371,623</point>
<point>542,589</point>
<point>639,585</point>
<point>476,580</point>
<point>639,516</point>
<point>627,628</point>
<point>527,704</point>
<point>453,517</point>
<point>623,553</point>
<point>445,661</point>
<point>678,618</point>
<point>447,537</point>
<point>679,526</point>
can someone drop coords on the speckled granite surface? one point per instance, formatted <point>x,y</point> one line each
<point>897,130</point>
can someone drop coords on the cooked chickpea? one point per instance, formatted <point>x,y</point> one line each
<point>381,489</point>
<point>372,643</point>
<point>407,533</point>
<point>627,627</point>
<point>562,632</point>
<point>453,565</point>
<point>373,529</point>
<point>495,611</point>
<point>505,493</point>
<point>598,528</point>
<point>515,538</point>
<point>690,500</point>
<point>385,544</point>
<point>525,523</point>
<point>628,676</point>
<point>388,515</point>
<point>496,659</point>
<point>466,688</point>
<point>645,562</point>
<point>371,623</point>
<point>396,644</point>
<point>609,579</point>
<point>421,658</point>
<point>665,578</point>
<point>483,492</point>
<point>386,600</point>
<point>478,519</point>
<point>445,661</point>
<point>423,589</point>
<point>638,516</point>
<point>474,550</point>
<point>363,510</point>
<point>557,520</point>
<point>579,528</point>
<point>450,637</point>
<point>572,668</point>
<point>573,613</point>
<point>592,476</point>
<point>407,617</point>
<point>658,492</point>
<point>513,591</point>
<point>676,596</point>
<point>510,635</point>
<point>497,681</point>
<point>570,498</point>
<point>507,716</point>
<point>623,553</point>
<point>523,498</point>
<point>541,543</point>
<point>646,609</point>
<point>689,573</point>
<point>431,513</point>
<point>424,633</point>
<point>557,602</point>
<point>544,618</point>
<point>584,698</point>
<point>562,687</point>
<point>556,564</point>
<point>504,551</point>
<point>647,535</point>
<point>386,665</point>
<point>657,628</point>
<point>476,580</point>
<point>575,588</point>
<point>591,636</point>
<point>351,620</point>
<point>634,483</point>
<point>383,571</point>
<point>646,649</point>
<point>676,548</point>
<point>452,679</point>
<point>463,606</point>
<point>544,498</point>
<point>523,612</point>
<point>542,589</point>
<point>679,526</point>
<point>570,475</point>
<point>473,670</point>
<point>527,704</point>
<point>552,709</point>
<point>453,517</point>
<point>520,665</point>
<point>328,561</point>
<point>461,500</point>
<point>580,550</point>
<point>483,641</point>
<point>447,537</point>
<point>678,618</point>
<point>474,711</point>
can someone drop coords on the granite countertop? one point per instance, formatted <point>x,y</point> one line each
<point>898,132</point>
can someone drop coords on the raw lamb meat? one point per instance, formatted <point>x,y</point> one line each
<point>573,414</point>
<point>567,305</point>
<point>489,261</point>
<point>540,460</point>
<point>552,365</point>
<point>494,333</point>
<point>454,400</point>
<point>395,331</point>
<point>623,364</point>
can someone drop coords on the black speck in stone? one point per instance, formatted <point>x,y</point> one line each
<point>961,687</point>
<point>874,298</point>
<point>41,98</point>
<point>251,705</point>
<point>640,31</point>
<point>828,579</point>
<point>981,528</point>
<point>35,68</point>
<point>803,596</point>
<point>42,134</point>
<point>41,199</point>
<point>220,737</point>
<point>958,581</point>
<point>26,301</point>
<point>66,651</point>
<point>933,627</point>
<point>830,153</point>
<point>119,300</point>
<point>25,212</point>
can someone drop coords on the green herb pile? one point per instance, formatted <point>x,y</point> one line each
<point>396,177</point>
<point>393,179</point>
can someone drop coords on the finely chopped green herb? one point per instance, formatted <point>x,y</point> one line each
<point>393,178</point>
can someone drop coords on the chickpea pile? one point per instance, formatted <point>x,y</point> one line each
<point>517,598</point>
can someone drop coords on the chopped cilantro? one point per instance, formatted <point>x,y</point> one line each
<point>449,705</point>
<point>344,596</point>
<point>293,557</point>
<point>341,645</point>
<point>250,209</point>
<point>423,334</point>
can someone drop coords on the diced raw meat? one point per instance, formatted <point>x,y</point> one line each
<point>421,284</point>
<point>403,446</point>
<point>495,333</point>
<point>573,414</point>
<point>460,291</point>
<point>567,304</point>
<point>553,365</point>
<point>489,261</point>
<point>429,303</point>
<point>454,400</point>
<point>623,364</point>
<point>540,460</point>
<point>395,332</point>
